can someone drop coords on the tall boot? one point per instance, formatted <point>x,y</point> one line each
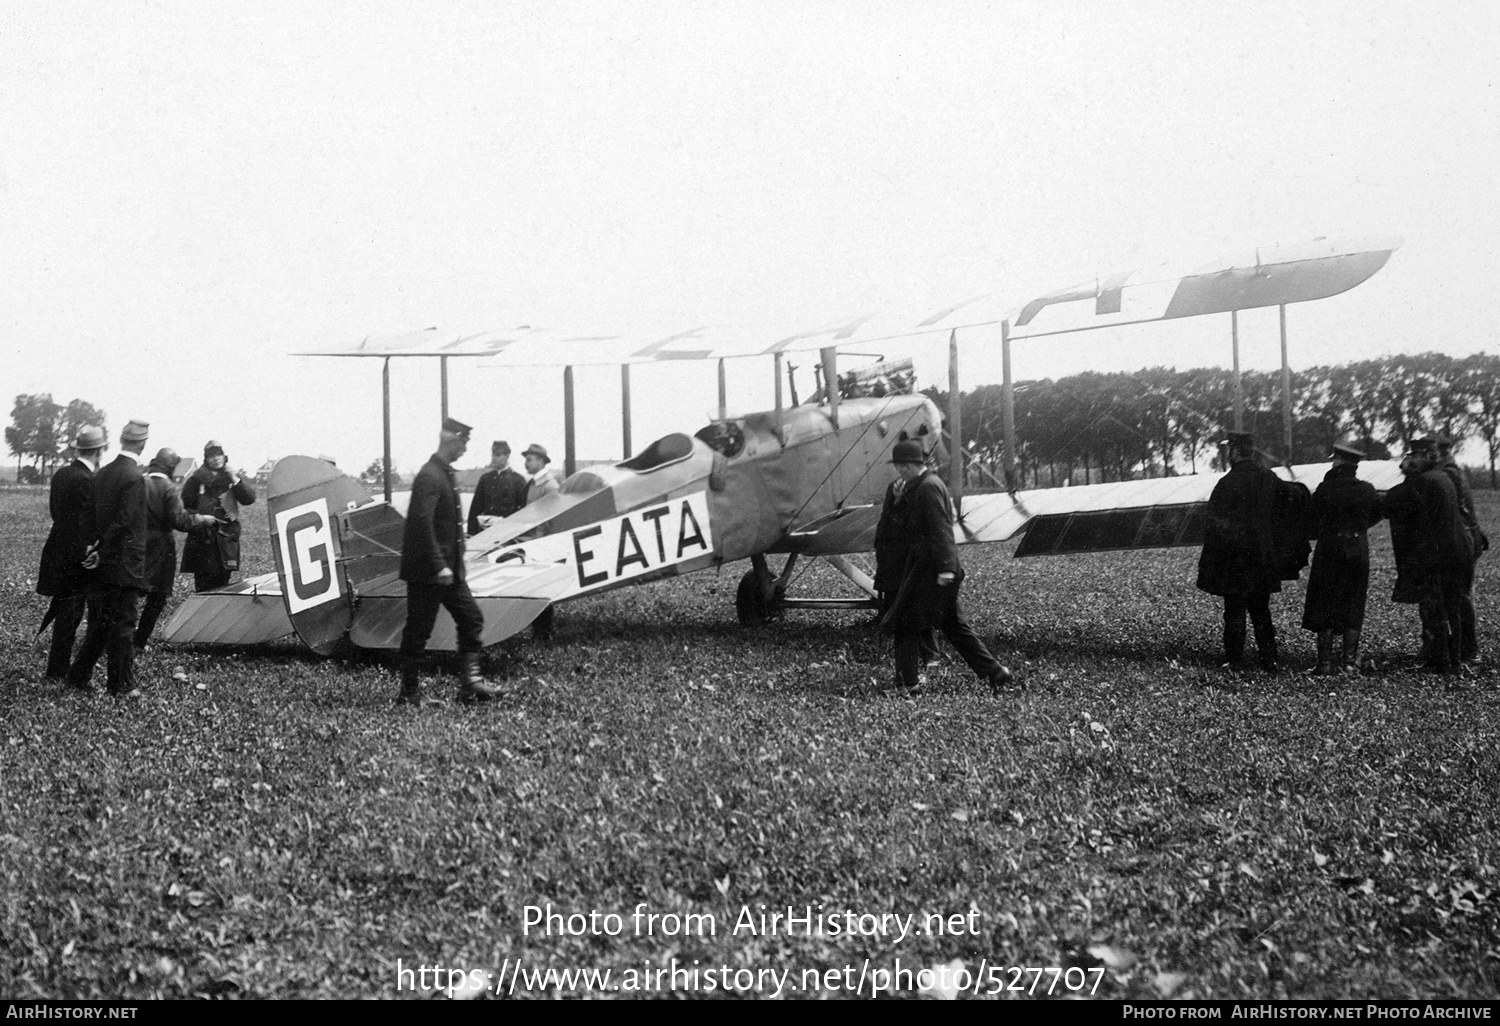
<point>474,688</point>
<point>411,685</point>
<point>1265,645</point>
<point>1351,652</point>
<point>1234,643</point>
<point>1325,654</point>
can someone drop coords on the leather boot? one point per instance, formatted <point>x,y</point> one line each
<point>1351,651</point>
<point>1234,644</point>
<point>411,685</point>
<point>474,688</point>
<point>1265,644</point>
<point>1325,654</point>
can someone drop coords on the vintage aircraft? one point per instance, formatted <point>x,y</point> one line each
<point>804,480</point>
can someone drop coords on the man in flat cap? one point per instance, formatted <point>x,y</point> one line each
<point>927,596</point>
<point>164,514</point>
<point>1479,544</point>
<point>500,492</point>
<point>118,562</point>
<point>62,576</point>
<point>1344,508</point>
<point>432,565</point>
<point>541,481</point>
<point>212,554</point>
<point>1244,550</point>
<point>1434,553</point>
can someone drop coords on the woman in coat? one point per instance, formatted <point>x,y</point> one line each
<point>1343,509</point>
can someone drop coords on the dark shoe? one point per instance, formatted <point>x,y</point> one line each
<point>474,688</point>
<point>1351,652</point>
<point>412,692</point>
<point>133,693</point>
<point>901,687</point>
<point>1325,655</point>
<point>1000,679</point>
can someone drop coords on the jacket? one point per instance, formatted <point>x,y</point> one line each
<point>164,514</point>
<point>433,540</point>
<point>1242,551</point>
<point>72,506</point>
<point>212,492</point>
<point>120,524</point>
<point>923,516</point>
<point>498,494</point>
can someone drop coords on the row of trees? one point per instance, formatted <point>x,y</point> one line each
<point>1094,427</point>
<point>42,430</point>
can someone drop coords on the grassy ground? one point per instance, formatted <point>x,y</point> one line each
<point>288,832</point>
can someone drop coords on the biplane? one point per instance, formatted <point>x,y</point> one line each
<point>803,480</point>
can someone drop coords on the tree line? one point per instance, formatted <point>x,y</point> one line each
<point>1093,427</point>
<point>42,431</point>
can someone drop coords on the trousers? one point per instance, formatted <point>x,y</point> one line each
<point>422,604</point>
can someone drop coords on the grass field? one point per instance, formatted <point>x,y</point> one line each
<point>289,832</point>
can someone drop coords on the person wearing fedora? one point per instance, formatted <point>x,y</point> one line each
<point>164,514</point>
<point>432,565</point>
<point>1343,509</point>
<point>61,576</point>
<point>927,596</point>
<point>500,492</point>
<point>1243,549</point>
<point>541,482</point>
<point>117,558</point>
<point>212,554</point>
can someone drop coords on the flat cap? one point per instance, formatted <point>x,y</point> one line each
<point>456,427</point>
<point>908,452</point>
<point>90,436</point>
<point>136,431</point>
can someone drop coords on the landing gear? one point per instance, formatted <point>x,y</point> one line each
<point>757,599</point>
<point>761,596</point>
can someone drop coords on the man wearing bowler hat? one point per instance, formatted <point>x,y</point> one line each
<point>118,562</point>
<point>62,576</point>
<point>500,492</point>
<point>432,565</point>
<point>927,597</point>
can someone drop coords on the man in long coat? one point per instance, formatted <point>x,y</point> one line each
<point>212,554</point>
<point>118,562</point>
<point>164,514</point>
<point>432,565</point>
<point>1243,549</point>
<point>1344,508</point>
<point>62,576</point>
<point>927,597</point>
<point>1479,544</point>
<point>1434,552</point>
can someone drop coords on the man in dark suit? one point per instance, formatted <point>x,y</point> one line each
<point>432,565</point>
<point>62,575</point>
<point>118,562</point>
<point>500,492</point>
<point>164,514</point>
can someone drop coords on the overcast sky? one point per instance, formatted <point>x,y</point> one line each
<point>189,192</point>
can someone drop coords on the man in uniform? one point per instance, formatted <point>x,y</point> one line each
<point>164,514</point>
<point>1344,508</point>
<point>1242,552</point>
<point>1479,543</point>
<point>432,565</point>
<point>927,597</point>
<point>1434,553</point>
<point>62,575</point>
<point>118,561</point>
<point>500,492</point>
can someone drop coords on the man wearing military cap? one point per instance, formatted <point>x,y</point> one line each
<point>1433,550</point>
<point>500,492</point>
<point>1344,508</point>
<point>164,514</point>
<point>432,565</point>
<point>118,561</point>
<point>1244,549</point>
<point>62,577</point>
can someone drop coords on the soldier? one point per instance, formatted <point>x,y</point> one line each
<point>432,565</point>
<point>1479,543</point>
<point>927,597</point>
<point>500,492</point>
<point>164,514</point>
<point>1434,553</point>
<point>1343,509</point>
<point>1243,553</point>
<point>62,575</point>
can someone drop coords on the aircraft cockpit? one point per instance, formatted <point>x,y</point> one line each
<point>726,437</point>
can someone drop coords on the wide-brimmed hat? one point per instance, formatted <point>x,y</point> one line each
<point>538,451</point>
<point>90,436</point>
<point>136,431</point>
<point>908,452</point>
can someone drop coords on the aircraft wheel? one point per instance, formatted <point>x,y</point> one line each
<point>751,603</point>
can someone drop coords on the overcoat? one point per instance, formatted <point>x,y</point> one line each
<point>164,514</point>
<point>120,524</point>
<point>213,493</point>
<point>72,505</point>
<point>1242,550</point>
<point>923,516</point>
<point>434,540</point>
<point>1343,509</point>
<point>1428,535</point>
<point>890,541</point>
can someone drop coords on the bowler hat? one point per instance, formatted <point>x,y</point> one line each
<point>500,449</point>
<point>456,427</point>
<point>136,431</point>
<point>908,452</point>
<point>90,436</point>
<point>536,450</point>
<point>1347,451</point>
